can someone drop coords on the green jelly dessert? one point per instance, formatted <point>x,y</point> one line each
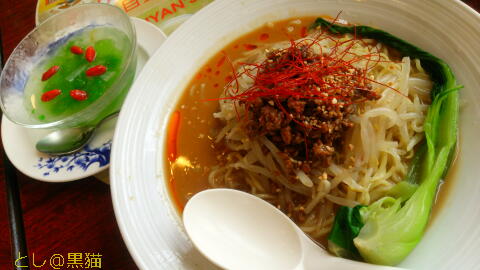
<point>78,73</point>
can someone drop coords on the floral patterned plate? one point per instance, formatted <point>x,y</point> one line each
<point>19,142</point>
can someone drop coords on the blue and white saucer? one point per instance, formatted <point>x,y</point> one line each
<point>19,142</point>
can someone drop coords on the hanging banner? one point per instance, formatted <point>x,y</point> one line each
<point>166,14</point>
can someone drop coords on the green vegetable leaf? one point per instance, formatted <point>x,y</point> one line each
<point>403,191</point>
<point>393,226</point>
<point>346,227</point>
<point>391,230</point>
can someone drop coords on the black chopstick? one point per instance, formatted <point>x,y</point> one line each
<point>15,217</point>
<point>14,206</point>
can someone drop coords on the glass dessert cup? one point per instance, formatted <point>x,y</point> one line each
<point>41,45</point>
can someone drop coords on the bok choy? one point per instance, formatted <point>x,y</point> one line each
<point>387,231</point>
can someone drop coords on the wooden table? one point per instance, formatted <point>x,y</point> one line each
<point>62,218</point>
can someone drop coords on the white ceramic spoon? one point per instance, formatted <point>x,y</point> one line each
<point>236,230</point>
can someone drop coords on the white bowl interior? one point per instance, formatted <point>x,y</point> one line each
<point>148,221</point>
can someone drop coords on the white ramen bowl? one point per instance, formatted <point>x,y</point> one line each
<point>148,220</point>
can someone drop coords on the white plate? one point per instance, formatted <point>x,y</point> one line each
<point>150,225</point>
<point>19,142</point>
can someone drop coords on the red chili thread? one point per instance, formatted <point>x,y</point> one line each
<point>79,95</point>
<point>297,76</point>
<point>221,61</point>
<point>50,72</point>
<point>76,50</point>
<point>49,95</point>
<point>264,36</point>
<point>290,77</point>
<point>90,54</point>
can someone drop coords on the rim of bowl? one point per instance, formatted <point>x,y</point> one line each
<point>102,100</point>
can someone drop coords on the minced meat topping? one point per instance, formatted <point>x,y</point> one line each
<point>302,102</point>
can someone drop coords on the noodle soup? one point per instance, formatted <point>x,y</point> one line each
<point>308,120</point>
